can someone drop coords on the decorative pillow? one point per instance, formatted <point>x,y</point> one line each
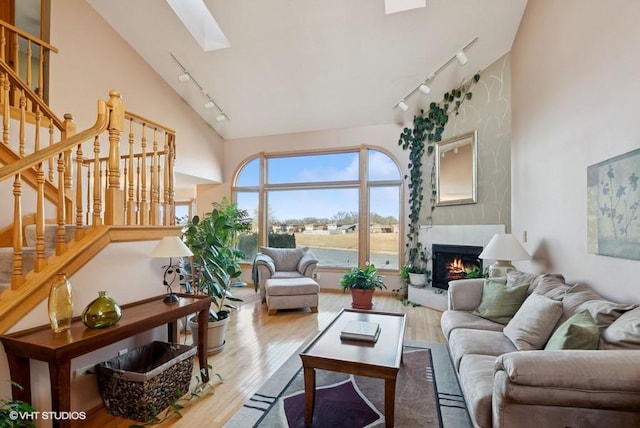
<point>623,333</point>
<point>578,332</point>
<point>285,259</point>
<point>499,303</point>
<point>581,297</point>
<point>515,278</point>
<point>551,286</point>
<point>534,322</point>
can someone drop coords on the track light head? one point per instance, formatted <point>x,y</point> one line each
<point>209,105</point>
<point>184,77</point>
<point>403,106</point>
<point>424,89</point>
<point>462,58</point>
<point>221,117</point>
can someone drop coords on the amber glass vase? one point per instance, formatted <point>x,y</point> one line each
<point>60,303</point>
<point>102,312</point>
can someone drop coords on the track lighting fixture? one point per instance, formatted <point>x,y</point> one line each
<point>424,88</point>
<point>462,59</point>
<point>186,76</point>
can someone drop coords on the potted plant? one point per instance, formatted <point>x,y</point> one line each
<point>16,413</point>
<point>215,261</point>
<point>362,281</point>
<point>416,270</point>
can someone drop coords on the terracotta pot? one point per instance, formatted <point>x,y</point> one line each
<point>361,299</point>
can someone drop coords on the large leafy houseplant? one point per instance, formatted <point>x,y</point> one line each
<point>215,262</point>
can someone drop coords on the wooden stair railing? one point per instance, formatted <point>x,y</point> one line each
<point>137,174</point>
<point>11,39</point>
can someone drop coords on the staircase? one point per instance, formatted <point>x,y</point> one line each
<point>82,193</point>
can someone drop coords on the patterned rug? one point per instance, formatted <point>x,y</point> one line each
<point>427,394</point>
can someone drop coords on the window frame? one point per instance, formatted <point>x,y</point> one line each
<point>362,184</point>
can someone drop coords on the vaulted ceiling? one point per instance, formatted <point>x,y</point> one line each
<point>305,65</point>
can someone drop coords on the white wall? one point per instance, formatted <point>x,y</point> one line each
<point>112,270</point>
<point>94,59</point>
<point>575,91</point>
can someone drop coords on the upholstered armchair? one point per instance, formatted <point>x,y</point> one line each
<point>282,263</point>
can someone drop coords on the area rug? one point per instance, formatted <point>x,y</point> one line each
<point>427,395</point>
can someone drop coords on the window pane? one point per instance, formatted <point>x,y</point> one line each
<point>248,242</point>
<point>323,219</point>
<point>182,212</point>
<point>384,226</point>
<point>313,168</point>
<point>249,175</point>
<point>382,167</point>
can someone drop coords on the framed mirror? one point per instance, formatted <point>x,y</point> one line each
<point>456,170</point>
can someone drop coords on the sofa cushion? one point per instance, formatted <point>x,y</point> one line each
<point>287,274</point>
<point>463,319</point>
<point>623,333</point>
<point>476,378</point>
<point>285,258</point>
<point>466,341</point>
<point>578,332</point>
<point>534,322</point>
<point>551,286</point>
<point>500,302</point>
<point>581,297</point>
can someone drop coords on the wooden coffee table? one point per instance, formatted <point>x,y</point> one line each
<point>380,359</point>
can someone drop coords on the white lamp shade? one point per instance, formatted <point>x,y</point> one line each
<point>171,246</point>
<point>504,246</point>
<point>403,106</point>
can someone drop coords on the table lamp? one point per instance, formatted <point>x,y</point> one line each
<point>503,248</point>
<point>171,246</point>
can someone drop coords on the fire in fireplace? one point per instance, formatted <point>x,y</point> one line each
<point>452,262</point>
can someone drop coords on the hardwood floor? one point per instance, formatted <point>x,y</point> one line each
<point>258,344</point>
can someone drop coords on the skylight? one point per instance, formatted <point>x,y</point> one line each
<point>195,15</point>
<point>393,6</point>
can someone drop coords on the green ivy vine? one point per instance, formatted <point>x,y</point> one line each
<point>427,130</point>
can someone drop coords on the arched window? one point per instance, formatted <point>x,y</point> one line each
<point>344,205</point>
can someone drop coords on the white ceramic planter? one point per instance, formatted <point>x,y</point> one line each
<point>418,279</point>
<point>215,334</point>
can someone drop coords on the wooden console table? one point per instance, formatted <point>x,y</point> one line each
<point>57,349</point>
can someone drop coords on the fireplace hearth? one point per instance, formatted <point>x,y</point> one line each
<point>450,262</point>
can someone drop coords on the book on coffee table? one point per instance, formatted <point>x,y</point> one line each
<point>361,330</point>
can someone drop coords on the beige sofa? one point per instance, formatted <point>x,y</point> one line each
<point>510,380</point>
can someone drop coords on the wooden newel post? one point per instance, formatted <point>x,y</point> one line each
<point>114,198</point>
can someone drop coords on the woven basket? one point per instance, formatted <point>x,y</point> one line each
<point>144,381</point>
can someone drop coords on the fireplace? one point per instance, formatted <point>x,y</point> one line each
<point>451,261</point>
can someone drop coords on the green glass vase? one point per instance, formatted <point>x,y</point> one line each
<point>60,304</point>
<point>102,312</point>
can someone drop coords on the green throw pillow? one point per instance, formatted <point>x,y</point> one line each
<point>499,303</point>
<point>578,332</point>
